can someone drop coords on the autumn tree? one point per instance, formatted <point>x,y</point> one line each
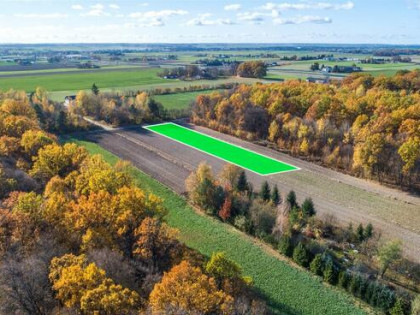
<point>109,298</point>
<point>83,285</point>
<point>225,211</point>
<point>156,243</point>
<point>186,289</point>
<point>58,160</point>
<point>229,175</point>
<point>388,254</point>
<point>32,141</point>
<point>252,69</point>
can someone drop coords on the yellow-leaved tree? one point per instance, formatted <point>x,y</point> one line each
<point>185,289</point>
<point>83,285</point>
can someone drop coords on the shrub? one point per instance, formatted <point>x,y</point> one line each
<point>316,265</point>
<point>263,217</point>
<point>354,284</point>
<point>301,255</point>
<point>240,222</point>
<point>242,184</point>
<point>330,274</point>
<point>376,292</point>
<point>360,233</point>
<point>275,195</point>
<point>368,231</point>
<point>265,191</point>
<point>343,279</point>
<point>286,246</point>
<point>370,289</point>
<point>415,306</point>
<point>361,291</point>
<point>398,308</point>
<point>308,208</point>
<point>291,199</point>
<point>386,298</point>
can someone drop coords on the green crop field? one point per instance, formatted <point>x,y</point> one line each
<point>287,290</point>
<point>244,158</point>
<point>81,81</point>
<point>179,100</point>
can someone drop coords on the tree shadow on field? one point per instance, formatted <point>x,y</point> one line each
<point>275,306</point>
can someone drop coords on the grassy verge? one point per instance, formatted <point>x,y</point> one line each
<point>285,288</point>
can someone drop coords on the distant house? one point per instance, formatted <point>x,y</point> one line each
<point>68,99</point>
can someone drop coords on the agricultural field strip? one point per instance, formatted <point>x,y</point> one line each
<point>250,160</point>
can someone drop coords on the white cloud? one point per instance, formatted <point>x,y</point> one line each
<point>303,19</point>
<point>155,18</point>
<point>42,16</point>
<point>233,7</point>
<point>308,6</point>
<point>97,7</point>
<point>158,14</point>
<point>96,10</point>
<point>114,6</point>
<point>256,16</point>
<point>205,20</point>
<point>77,7</point>
<point>251,16</point>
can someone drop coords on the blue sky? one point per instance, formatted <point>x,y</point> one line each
<point>210,21</point>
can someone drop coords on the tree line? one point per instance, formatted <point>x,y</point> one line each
<point>320,245</point>
<point>366,126</point>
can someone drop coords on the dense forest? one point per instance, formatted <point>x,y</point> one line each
<point>365,126</point>
<point>78,236</point>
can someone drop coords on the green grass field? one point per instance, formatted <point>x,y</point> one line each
<point>82,81</point>
<point>244,158</point>
<point>300,69</point>
<point>59,95</point>
<point>179,100</point>
<point>287,290</point>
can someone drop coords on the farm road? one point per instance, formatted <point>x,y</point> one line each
<point>395,213</point>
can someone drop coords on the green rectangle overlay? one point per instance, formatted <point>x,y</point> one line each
<point>252,161</point>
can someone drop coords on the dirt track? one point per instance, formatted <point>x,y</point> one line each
<point>395,213</point>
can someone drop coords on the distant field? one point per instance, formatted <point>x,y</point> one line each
<point>179,100</point>
<point>5,63</point>
<point>81,81</point>
<point>59,95</point>
<point>287,289</point>
<point>300,69</point>
<point>60,70</point>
